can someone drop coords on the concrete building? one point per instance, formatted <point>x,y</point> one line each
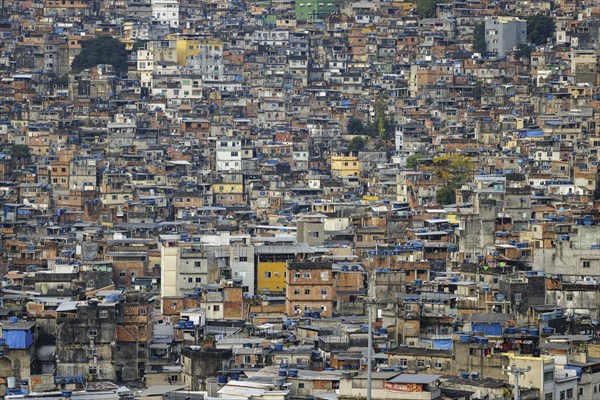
<point>166,12</point>
<point>85,336</point>
<point>202,363</point>
<point>185,266</point>
<point>271,261</point>
<point>391,385</point>
<point>309,286</point>
<point>311,229</point>
<point>502,34</point>
<point>551,383</point>
<point>575,254</point>
<point>228,155</point>
<point>583,66</point>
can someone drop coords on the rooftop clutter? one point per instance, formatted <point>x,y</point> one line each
<point>254,200</point>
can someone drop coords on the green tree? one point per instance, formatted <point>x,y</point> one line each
<point>355,126</point>
<point>539,28</point>
<point>452,170</point>
<point>413,160</point>
<point>20,155</point>
<point>479,38</point>
<point>357,144</point>
<point>477,90</point>
<point>381,126</point>
<point>523,51</point>
<point>446,195</point>
<point>427,8</point>
<point>101,50</point>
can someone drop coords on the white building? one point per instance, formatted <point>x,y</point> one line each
<point>185,265</point>
<point>189,262</point>
<point>502,34</point>
<point>241,260</point>
<point>166,12</point>
<point>228,154</point>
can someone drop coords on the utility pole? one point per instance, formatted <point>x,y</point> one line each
<point>370,351</point>
<point>516,372</point>
<point>370,299</point>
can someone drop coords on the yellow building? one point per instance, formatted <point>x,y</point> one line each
<point>271,261</point>
<point>345,163</point>
<point>192,46</point>
<point>270,276</point>
<point>227,188</point>
<point>228,193</point>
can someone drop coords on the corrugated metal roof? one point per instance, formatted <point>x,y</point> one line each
<point>423,379</point>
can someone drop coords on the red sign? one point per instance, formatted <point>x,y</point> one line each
<point>402,387</point>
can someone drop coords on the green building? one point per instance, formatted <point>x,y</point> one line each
<point>314,10</point>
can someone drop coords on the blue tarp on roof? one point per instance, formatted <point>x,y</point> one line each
<point>494,329</point>
<point>577,369</point>
<point>17,338</point>
<point>442,344</point>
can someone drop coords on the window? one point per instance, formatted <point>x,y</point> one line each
<point>198,280</point>
<point>569,296</point>
<point>296,291</point>
<point>173,378</point>
<point>517,296</point>
<point>92,351</point>
<point>267,274</point>
<point>563,395</point>
<point>438,364</point>
<point>190,280</point>
<point>587,264</point>
<point>314,234</point>
<point>569,393</point>
<point>103,314</point>
<point>60,286</point>
<point>301,385</point>
<point>307,292</point>
<point>92,333</point>
<point>92,370</point>
<point>306,275</point>
<point>217,308</point>
<point>142,310</point>
<point>420,363</point>
<point>243,259</point>
<point>324,276</point>
<point>297,275</point>
<point>548,396</point>
<point>323,292</point>
<point>548,376</point>
<point>122,273</point>
<point>403,362</point>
